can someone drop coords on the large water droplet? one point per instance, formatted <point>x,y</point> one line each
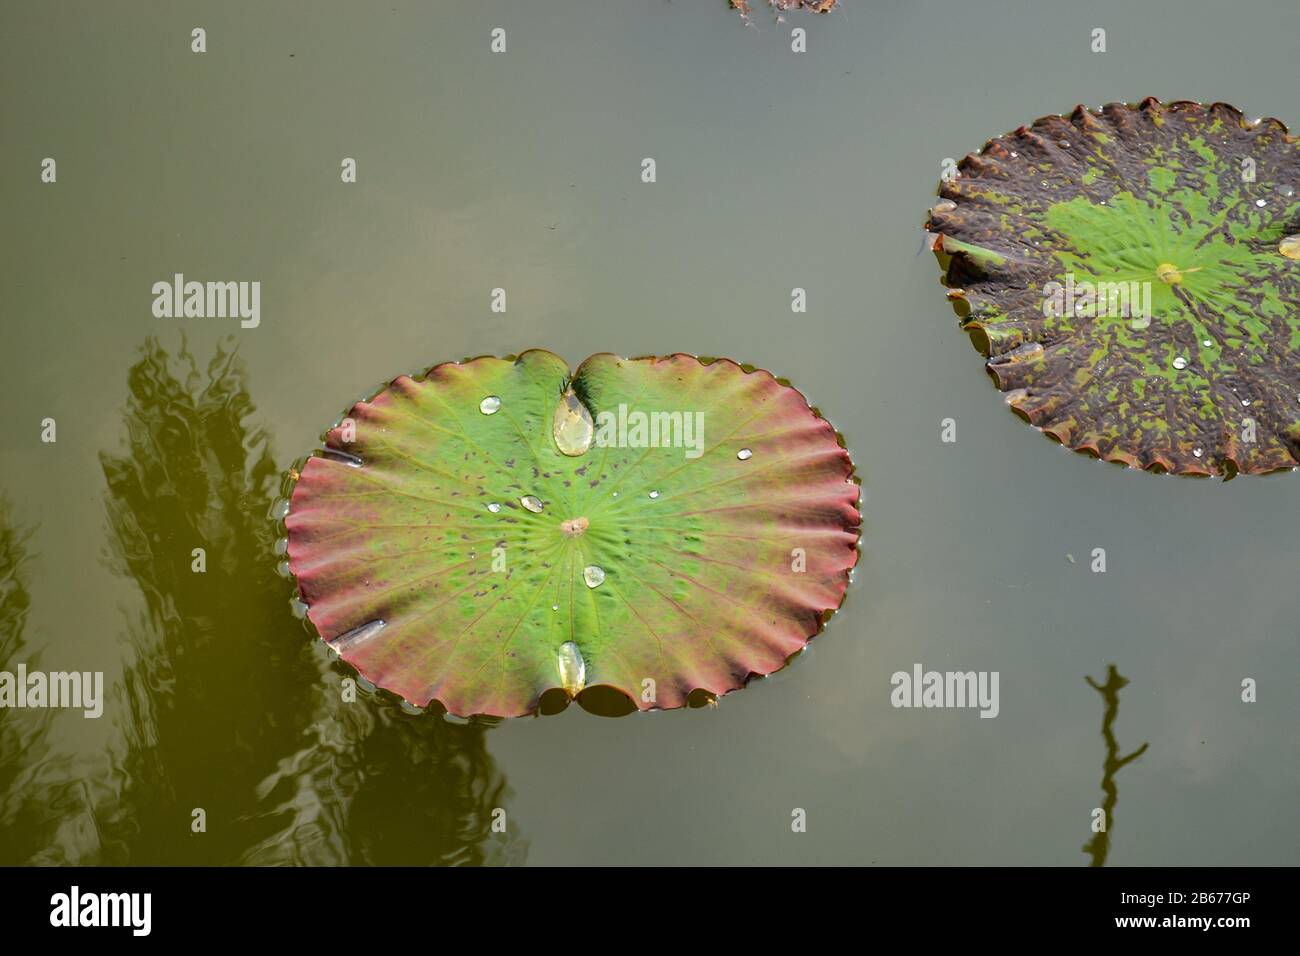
<point>572,427</point>
<point>493,507</point>
<point>489,405</point>
<point>337,454</point>
<point>744,454</point>
<point>1180,362</point>
<point>356,636</point>
<point>532,503</point>
<point>593,575</point>
<point>654,494</point>
<point>1197,452</point>
<point>280,509</point>
<point>1261,203</point>
<point>1290,247</point>
<point>572,668</point>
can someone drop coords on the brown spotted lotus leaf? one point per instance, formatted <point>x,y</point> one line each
<point>497,528</point>
<point>1131,273</point>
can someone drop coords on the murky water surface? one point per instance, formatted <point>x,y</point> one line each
<point>522,171</point>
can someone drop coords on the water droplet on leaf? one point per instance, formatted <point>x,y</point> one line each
<point>572,668</point>
<point>593,575</point>
<point>489,405</point>
<point>356,637</point>
<point>572,427</point>
<point>531,503</point>
<point>744,454</point>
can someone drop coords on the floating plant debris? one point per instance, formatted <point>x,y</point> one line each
<point>1148,254</point>
<point>657,555</point>
<point>746,7</point>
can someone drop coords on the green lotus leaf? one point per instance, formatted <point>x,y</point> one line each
<point>1131,274</point>
<point>492,529</point>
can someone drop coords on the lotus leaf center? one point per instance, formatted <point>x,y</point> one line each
<point>574,526</point>
<point>1169,274</point>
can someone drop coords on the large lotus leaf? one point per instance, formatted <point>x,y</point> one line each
<point>1179,222</point>
<point>454,542</point>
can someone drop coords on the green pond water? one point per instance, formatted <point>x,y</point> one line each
<point>522,170</point>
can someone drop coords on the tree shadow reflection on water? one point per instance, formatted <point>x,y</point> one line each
<point>29,775</point>
<point>1099,846</point>
<point>226,705</point>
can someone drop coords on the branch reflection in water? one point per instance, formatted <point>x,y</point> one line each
<point>1099,846</point>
